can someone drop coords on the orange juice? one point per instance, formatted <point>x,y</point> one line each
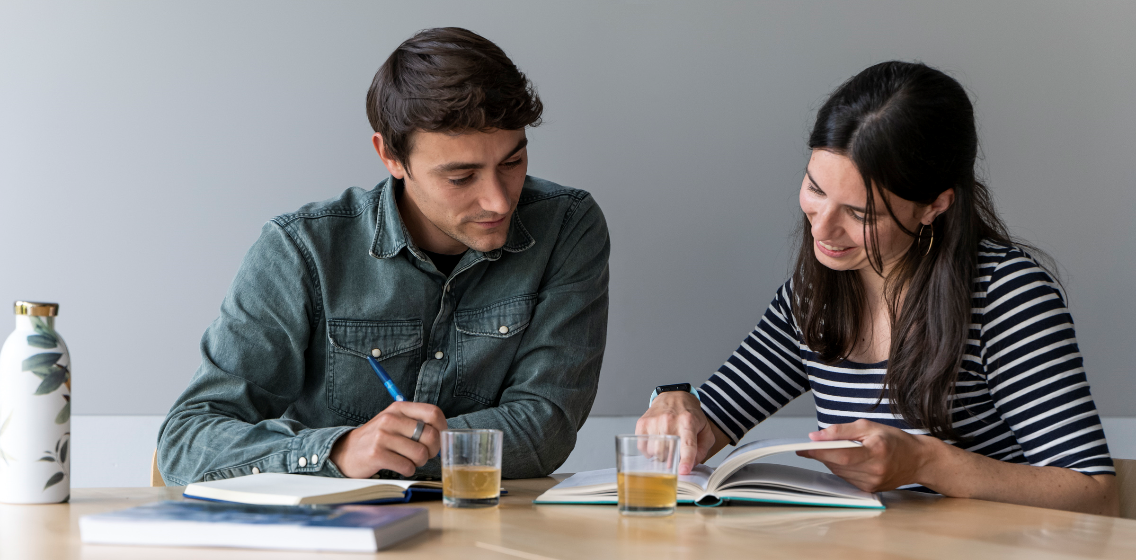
<point>647,491</point>
<point>467,482</point>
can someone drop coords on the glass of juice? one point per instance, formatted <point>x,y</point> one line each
<point>471,468</point>
<point>647,467</point>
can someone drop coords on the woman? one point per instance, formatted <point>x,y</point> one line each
<point>923,331</point>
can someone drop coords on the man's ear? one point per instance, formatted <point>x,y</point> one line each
<point>394,167</point>
<point>940,205</point>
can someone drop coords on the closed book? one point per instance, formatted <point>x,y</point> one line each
<point>283,489</point>
<point>740,478</point>
<point>349,528</point>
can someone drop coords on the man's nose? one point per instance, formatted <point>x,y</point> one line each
<point>495,197</point>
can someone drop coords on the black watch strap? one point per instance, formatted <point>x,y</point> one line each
<point>684,387</point>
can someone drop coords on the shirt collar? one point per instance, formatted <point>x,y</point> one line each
<point>391,235</point>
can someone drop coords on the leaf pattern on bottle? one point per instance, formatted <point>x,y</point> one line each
<point>44,366</point>
<point>52,379</point>
<point>59,456</point>
<point>65,414</point>
<point>41,341</point>
<point>41,360</point>
<point>4,456</point>
<point>44,335</point>
<point>55,479</point>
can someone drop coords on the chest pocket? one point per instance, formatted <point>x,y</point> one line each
<point>488,339</point>
<point>354,391</point>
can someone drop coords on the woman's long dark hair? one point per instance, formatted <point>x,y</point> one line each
<point>909,129</point>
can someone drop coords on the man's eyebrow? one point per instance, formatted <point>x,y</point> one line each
<point>520,146</point>
<point>813,181</point>
<point>463,166</point>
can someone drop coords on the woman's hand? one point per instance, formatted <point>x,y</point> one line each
<point>678,413</point>
<point>889,458</point>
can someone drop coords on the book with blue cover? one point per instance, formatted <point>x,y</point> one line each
<point>344,528</point>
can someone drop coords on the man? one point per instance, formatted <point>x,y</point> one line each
<point>480,290</point>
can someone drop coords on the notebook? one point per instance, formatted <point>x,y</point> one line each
<point>739,478</point>
<point>324,528</point>
<point>301,489</point>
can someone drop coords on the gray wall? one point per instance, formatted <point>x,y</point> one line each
<point>143,144</point>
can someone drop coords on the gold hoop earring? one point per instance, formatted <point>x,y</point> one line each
<point>928,251</point>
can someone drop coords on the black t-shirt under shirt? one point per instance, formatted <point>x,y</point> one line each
<point>444,263</point>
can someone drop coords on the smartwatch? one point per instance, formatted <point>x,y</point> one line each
<point>684,387</point>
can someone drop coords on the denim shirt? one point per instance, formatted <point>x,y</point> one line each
<point>512,339</point>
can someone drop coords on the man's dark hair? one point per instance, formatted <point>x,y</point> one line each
<point>448,79</point>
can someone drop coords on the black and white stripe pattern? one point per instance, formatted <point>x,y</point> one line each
<point>1021,394</point>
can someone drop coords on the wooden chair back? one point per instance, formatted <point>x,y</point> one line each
<point>1126,482</point>
<point>155,474</point>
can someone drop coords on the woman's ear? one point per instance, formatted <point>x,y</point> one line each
<point>940,205</point>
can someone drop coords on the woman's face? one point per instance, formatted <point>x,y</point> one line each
<point>833,199</point>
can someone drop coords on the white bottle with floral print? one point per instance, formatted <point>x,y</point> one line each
<point>35,409</point>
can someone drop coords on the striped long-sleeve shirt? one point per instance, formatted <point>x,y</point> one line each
<point>1021,394</point>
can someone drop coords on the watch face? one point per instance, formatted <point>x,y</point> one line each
<point>684,387</point>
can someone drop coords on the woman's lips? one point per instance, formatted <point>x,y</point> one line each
<point>833,251</point>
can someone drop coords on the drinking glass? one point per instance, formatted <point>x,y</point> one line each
<point>471,468</point>
<point>647,467</point>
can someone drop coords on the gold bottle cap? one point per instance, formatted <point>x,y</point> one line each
<point>37,308</point>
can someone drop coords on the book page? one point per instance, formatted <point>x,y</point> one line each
<point>602,477</point>
<point>783,477</point>
<point>754,451</point>
<point>603,482</point>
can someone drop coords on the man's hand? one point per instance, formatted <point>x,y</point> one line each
<point>678,413</point>
<point>384,441</point>
<point>889,458</point>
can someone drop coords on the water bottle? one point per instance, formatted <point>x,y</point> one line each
<point>35,409</point>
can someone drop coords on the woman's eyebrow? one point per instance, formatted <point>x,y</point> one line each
<point>813,181</point>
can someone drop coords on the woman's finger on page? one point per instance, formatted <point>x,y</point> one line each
<point>688,444</point>
<point>705,442</point>
<point>839,457</point>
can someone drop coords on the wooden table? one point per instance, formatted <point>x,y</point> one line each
<point>913,526</point>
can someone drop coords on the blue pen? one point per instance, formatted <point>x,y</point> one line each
<point>387,381</point>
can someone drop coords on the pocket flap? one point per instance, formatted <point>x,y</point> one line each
<point>362,338</point>
<point>500,320</point>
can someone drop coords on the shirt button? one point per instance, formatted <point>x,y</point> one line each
<point>255,470</point>
<point>438,355</point>
<point>302,462</point>
<point>376,352</point>
<point>315,459</point>
<point>449,287</point>
<point>503,329</point>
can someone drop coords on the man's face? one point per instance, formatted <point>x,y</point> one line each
<point>461,189</point>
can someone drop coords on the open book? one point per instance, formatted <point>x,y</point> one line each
<point>300,489</point>
<point>738,478</point>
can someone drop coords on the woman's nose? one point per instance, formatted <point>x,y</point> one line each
<point>824,224</point>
